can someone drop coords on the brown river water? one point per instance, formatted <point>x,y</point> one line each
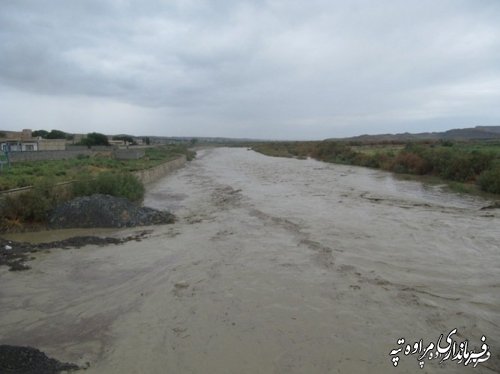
<point>274,266</point>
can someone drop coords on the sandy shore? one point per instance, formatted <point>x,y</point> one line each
<point>275,266</point>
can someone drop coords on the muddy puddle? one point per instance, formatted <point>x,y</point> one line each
<point>274,266</point>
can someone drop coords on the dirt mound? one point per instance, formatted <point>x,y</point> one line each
<point>495,205</point>
<point>16,254</point>
<point>105,211</point>
<point>28,360</point>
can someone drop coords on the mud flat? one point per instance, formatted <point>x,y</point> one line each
<point>274,266</point>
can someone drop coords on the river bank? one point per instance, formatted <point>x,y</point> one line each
<point>16,254</point>
<point>274,265</point>
<point>464,166</point>
<point>35,208</point>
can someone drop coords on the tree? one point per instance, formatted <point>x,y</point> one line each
<point>95,138</point>
<point>42,133</point>
<point>56,134</point>
<point>53,134</point>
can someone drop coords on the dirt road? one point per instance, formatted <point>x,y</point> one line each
<point>275,266</point>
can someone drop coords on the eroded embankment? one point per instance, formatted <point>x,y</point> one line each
<point>46,206</point>
<point>16,255</point>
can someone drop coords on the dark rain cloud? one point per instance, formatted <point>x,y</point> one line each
<point>282,69</point>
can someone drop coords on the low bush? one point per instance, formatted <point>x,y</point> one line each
<point>408,162</point>
<point>31,206</point>
<point>115,184</point>
<point>489,180</point>
<point>456,162</point>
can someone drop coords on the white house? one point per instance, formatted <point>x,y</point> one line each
<point>16,145</point>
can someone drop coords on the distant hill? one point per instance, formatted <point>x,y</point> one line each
<point>471,133</point>
<point>495,129</point>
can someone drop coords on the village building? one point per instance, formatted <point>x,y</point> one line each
<point>24,141</point>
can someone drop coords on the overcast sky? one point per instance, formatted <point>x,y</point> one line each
<point>281,69</point>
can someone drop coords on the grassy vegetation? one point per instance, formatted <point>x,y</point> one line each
<point>32,173</point>
<point>32,207</point>
<point>115,184</point>
<point>99,174</point>
<point>466,165</point>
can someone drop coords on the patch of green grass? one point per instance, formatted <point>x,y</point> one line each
<point>92,175</point>
<point>22,174</point>
<point>490,147</point>
<point>373,149</point>
<point>463,187</point>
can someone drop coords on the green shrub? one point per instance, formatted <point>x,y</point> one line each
<point>481,161</point>
<point>457,162</point>
<point>461,187</point>
<point>489,180</point>
<point>115,184</point>
<point>31,206</point>
<point>409,162</point>
<point>378,160</point>
<point>94,138</point>
<point>459,167</point>
<point>334,152</point>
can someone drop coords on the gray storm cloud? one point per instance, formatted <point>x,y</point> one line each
<point>260,69</point>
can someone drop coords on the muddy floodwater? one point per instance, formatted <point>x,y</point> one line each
<point>274,266</point>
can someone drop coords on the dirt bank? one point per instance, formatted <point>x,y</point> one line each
<point>15,255</point>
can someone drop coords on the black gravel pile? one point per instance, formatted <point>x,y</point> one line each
<point>105,211</point>
<point>28,360</point>
<point>495,205</point>
<point>16,254</point>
